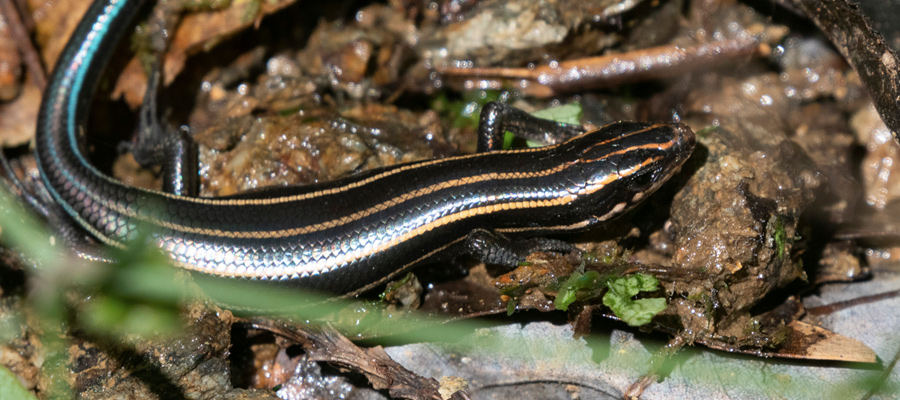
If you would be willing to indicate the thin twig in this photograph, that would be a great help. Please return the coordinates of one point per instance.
(324, 343)
(617, 69)
(840, 305)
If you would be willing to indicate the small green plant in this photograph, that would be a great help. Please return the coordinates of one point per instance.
(780, 237)
(633, 312)
(579, 286)
(568, 114)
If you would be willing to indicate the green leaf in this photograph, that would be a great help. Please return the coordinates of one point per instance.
(465, 113)
(703, 132)
(780, 237)
(508, 138)
(633, 312)
(577, 287)
(123, 317)
(510, 307)
(392, 287)
(568, 114)
(11, 388)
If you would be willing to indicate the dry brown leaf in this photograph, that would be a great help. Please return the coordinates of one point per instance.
(10, 64)
(17, 119)
(197, 32)
(809, 342)
(54, 22)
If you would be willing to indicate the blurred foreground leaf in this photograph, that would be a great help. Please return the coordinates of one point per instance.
(11, 388)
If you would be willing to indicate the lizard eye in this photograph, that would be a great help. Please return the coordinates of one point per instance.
(642, 181)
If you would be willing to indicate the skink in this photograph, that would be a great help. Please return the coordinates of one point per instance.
(355, 232)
